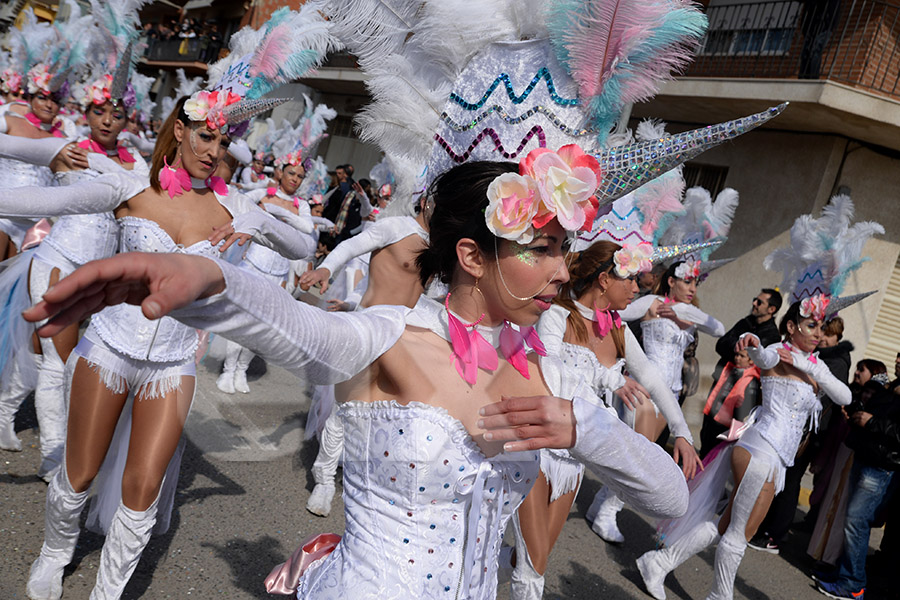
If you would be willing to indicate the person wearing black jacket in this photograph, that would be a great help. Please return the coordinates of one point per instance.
(761, 323)
(875, 440)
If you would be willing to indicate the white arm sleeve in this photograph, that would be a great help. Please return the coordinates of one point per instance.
(300, 223)
(138, 142)
(323, 347)
(33, 151)
(639, 471)
(268, 231)
(830, 385)
(322, 222)
(380, 234)
(101, 194)
(365, 206)
(637, 309)
(704, 322)
(4, 127)
(764, 358)
(646, 373)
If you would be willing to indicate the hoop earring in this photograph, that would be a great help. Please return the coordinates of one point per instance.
(450, 315)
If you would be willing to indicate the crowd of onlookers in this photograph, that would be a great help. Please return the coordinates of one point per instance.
(193, 36)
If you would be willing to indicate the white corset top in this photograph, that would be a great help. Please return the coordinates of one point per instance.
(664, 344)
(124, 327)
(267, 261)
(425, 509)
(16, 173)
(787, 404)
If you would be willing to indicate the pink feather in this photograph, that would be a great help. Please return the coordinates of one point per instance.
(532, 339)
(272, 53)
(658, 199)
(512, 345)
(487, 354)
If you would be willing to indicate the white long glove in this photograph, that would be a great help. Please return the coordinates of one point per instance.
(268, 231)
(304, 225)
(830, 385)
(40, 152)
(101, 194)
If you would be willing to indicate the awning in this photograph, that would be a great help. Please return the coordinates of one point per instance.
(193, 4)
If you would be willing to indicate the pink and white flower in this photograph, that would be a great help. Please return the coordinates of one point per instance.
(98, 91)
(815, 307)
(210, 107)
(39, 79)
(631, 260)
(688, 270)
(512, 207)
(11, 81)
(566, 182)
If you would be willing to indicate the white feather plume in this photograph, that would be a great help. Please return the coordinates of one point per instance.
(650, 129)
(721, 214)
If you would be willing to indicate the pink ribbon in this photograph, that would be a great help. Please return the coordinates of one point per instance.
(94, 146)
(606, 320)
(285, 578)
(36, 234)
(54, 128)
(811, 358)
(512, 346)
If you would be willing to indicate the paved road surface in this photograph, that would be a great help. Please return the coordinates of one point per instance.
(240, 510)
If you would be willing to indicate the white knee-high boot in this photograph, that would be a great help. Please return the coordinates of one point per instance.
(656, 564)
(51, 409)
(240, 372)
(225, 382)
(734, 541)
(12, 395)
(602, 515)
(331, 446)
(64, 506)
(526, 583)
(125, 542)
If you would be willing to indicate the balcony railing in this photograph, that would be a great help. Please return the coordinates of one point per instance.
(183, 50)
(850, 41)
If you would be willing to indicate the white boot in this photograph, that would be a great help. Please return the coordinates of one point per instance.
(64, 506)
(225, 382)
(51, 408)
(525, 583)
(240, 372)
(331, 446)
(602, 516)
(125, 542)
(12, 395)
(656, 564)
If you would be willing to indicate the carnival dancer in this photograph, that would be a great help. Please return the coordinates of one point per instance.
(394, 243)
(583, 328)
(124, 353)
(284, 204)
(824, 252)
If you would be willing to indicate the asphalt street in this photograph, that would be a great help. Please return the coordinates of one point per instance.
(240, 510)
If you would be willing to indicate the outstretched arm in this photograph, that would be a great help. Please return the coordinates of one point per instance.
(639, 471)
(101, 194)
(704, 322)
(220, 298)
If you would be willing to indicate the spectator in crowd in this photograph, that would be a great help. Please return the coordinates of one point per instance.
(835, 353)
(760, 322)
(895, 384)
(875, 440)
(733, 396)
(343, 207)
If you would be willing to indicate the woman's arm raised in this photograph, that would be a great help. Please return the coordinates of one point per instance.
(102, 194)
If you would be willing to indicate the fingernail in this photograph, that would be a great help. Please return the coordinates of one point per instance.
(489, 436)
(481, 423)
(153, 309)
(507, 447)
(481, 412)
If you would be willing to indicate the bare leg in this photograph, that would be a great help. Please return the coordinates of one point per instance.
(157, 425)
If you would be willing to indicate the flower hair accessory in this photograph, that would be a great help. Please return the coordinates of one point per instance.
(631, 260)
(549, 185)
(210, 107)
(688, 270)
(99, 92)
(39, 79)
(815, 307)
(294, 159)
(10, 81)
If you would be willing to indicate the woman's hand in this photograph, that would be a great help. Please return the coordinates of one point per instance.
(687, 455)
(529, 423)
(785, 355)
(159, 283)
(227, 232)
(746, 341)
(335, 305)
(318, 277)
(665, 311)
(632, 394)
(70, 158)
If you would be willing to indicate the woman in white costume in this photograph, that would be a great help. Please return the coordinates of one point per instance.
(428, 488)
(73, 241)
(792, 379)
(668, 323)
(284, 204)
(583, 328)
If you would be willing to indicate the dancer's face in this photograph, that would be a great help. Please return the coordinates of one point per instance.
(291, 178)
(106, 122)
(45, 108)
(681, 290)
(806, 334)
(202, 148)
(532, 271)
(618, 291)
